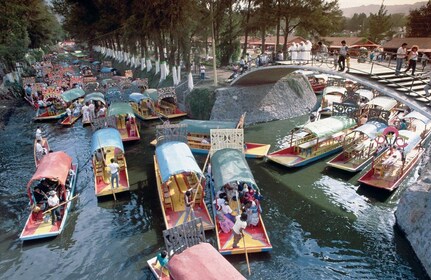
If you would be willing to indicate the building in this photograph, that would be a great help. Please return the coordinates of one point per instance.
(424, 44)
(270, 42)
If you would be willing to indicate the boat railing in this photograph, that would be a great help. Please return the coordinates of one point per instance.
(299, 141)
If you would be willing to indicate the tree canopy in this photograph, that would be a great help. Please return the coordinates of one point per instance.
(419, 21)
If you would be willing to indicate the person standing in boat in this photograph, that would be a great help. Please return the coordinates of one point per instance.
(38, 133)
(85, 113)
(54, 201)
(40, 150)
(188, 201)
(238, 229)
(91, 109)
(114, 169)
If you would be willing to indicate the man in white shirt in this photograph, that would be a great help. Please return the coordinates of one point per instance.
(401, 55)
(40, 151)
(342, 56)
(114, 169)
(91, 108)
(54, 201)
(38, 133)
(85, 113)
(238, 229)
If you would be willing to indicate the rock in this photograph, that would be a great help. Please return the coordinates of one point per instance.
(291, 96)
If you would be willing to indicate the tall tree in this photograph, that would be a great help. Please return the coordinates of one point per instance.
(379, 24)
(419, 21)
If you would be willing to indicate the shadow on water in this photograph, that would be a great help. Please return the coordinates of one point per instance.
(374, 194)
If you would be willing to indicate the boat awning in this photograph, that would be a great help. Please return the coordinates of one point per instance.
(411, 138)
(371, 128)
(107, 81)
(329, 126)
(174, 158)
(95, 96)
(366, 93)
(72, 94)
(136, 97)
(198, 255)
(120, 108)
(55, 165)
(152, 94)
(418, 116)
(106, 137)
(321, 76)
(230, 165)
(386, 103)
(334, 89)
(204, 127)
(107, 70)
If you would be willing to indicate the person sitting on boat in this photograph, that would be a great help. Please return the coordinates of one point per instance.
(403, 125)
(99, 155)
(114, 169)
(101, 112)
(40, 150)
(238, 229)
(85, 113)
(38, 133)
(54, 201)
(28, 91)
(76, 111)
(225, 223)
(188, 201)
(40, 198)
(391, 160)
(252, 213)
(205, 140)
(162, 259)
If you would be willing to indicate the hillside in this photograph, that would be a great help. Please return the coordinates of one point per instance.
(392, 9)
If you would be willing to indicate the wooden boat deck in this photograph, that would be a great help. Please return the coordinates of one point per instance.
(70, 120)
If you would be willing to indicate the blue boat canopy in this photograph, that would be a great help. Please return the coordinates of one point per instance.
(175, 158)
(95, 96)
(152, 93)
(120, 108)
(371, 128)
(230, 165)
(72, 94)
(136, 97)
(107, 70)
(106, 137)
(204, 127)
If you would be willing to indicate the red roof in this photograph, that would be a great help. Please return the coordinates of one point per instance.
(54, 165)
(335, 42)
(202, 261)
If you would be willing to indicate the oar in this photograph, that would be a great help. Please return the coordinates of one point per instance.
(200, 179)
(113, 193)
(49, 210)
(246, 253)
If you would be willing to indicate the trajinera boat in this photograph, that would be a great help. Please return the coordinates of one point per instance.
(359, 146)
(106, 144)
(57, 173)
(403, 150)
(45, 146)
(156, 103)
(125, 120)
(331, 94)
(230, 171)
(53, 108)
(68, 97)
(316, 140)
(176, 173)
(93, 97)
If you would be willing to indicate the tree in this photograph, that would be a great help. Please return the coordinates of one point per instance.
(379, 24)
(419, 21)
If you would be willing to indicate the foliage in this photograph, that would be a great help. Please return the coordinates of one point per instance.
(419, 21)
(379, 24)
(200, 103)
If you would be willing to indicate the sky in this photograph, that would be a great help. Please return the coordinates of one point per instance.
(350, 3)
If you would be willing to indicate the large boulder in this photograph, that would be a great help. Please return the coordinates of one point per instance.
(289, 97)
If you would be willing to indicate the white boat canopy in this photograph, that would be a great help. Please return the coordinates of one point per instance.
(412, 139)
(335, 89)
(329, 126)
(371, 128)
(418, 116)
(385, 102)
(366, 93)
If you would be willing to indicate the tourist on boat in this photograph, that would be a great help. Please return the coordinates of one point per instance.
(28, 91)
(54, 201)
(205, 141)
(91, 109)
(40, 150)
(39, 197)
(150, 107)
(188, 201)
(252, 213)
(99, 155)
(76, 111)
(68, 112)
(403, 125)
(114, 168)
(85, 113)
(238, 228)
(101, 112)
(162, 259)
(225, 223)
(38, 133)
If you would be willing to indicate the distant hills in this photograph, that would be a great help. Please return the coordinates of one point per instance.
(392, 9)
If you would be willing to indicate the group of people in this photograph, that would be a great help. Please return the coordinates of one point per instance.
(300, 53)
(45, 197)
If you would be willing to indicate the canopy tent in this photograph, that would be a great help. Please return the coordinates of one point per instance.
(95, 62)
(106, 137)
(366, 93)
(174, 158)
(334, 89)
(329, 126)
(230, 165)
(204, 127)
(55, 165)
(217, 268)
(371, 128)
(72, 94)
(411, 138)
(95, 96)
(136, 97)
(418, 116)
(120, 108)
(152, 94)
(385, 102)
(107, 70)
(107, 81)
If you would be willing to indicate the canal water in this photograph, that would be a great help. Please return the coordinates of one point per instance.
(321, 224)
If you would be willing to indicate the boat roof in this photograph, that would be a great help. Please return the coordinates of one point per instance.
(337, 89)
(136, 97)
(120, 108)
(204, 127)
(411, 138)
(418, 116)
(106, 137)
(95, 96)
(230, 165)
(175, 158)
(217, 268)
(368, 94)
(151, 93)
(55, 165)
(385, 102)
(72, 94)
(371, 128)
(106, 70)
(329, 126)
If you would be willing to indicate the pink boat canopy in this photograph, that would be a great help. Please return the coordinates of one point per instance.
(55, 166)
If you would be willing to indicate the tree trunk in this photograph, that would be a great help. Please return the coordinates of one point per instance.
(244, 51)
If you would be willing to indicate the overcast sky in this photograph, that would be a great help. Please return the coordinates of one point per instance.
(350, 3)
